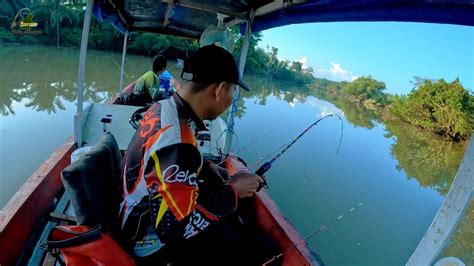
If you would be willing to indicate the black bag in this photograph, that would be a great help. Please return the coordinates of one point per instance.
(93, 184)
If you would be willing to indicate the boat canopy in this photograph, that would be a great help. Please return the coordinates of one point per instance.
(189, 18)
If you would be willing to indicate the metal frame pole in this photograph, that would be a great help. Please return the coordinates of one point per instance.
(242, 61)
(81, 74)
(122, 66)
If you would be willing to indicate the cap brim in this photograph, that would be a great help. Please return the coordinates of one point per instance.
(243, 85)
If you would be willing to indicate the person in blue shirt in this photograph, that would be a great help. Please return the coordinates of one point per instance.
(155, 85)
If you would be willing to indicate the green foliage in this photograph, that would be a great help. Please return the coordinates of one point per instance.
(6, 36)
(356, 113)
(266, 62)
(27, 39)
(153, 43)
(71, 37)
(366, 88)
(8, 8)
(444, 108)
(61, 23)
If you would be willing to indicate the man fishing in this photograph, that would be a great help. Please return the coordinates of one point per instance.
(154, 85)
(170, 194)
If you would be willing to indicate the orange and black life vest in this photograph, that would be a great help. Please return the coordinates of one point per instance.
(166, 185)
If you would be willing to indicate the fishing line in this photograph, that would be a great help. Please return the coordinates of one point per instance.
(319, 230)
(253, 165)
(118, 66)
(246, 147)
(266, 166)
(253, 142)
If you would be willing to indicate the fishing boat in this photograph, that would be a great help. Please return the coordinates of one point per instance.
(25, 221)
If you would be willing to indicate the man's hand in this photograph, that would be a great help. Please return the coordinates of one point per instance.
(245, 184)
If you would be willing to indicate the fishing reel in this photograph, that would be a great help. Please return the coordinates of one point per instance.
(260, 172)
(134, 120)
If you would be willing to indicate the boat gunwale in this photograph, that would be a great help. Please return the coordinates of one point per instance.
(30, 203)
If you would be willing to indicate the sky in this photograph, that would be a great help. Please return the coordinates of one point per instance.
(388, 51)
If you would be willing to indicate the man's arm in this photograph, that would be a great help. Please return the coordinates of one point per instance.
(184, 200)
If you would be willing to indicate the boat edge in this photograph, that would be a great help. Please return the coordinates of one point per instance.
(30, 203)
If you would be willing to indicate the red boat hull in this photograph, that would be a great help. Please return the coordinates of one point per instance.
(271, 220)
(31, 203)
(25, 209)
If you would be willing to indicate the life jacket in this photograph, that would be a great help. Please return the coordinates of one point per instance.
(160, 128)
(87, 246)
(162, 173)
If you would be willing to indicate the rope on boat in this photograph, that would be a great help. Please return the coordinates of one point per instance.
(319, 230)
(230, 126)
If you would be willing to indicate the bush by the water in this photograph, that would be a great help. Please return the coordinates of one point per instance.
(439, 106)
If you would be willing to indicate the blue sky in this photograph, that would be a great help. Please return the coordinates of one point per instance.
(391, 52)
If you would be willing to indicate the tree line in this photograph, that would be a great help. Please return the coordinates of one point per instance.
(445, 108)
(61, 23)
(442, 107)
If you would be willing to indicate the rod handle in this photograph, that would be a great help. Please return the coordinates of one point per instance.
(260, 172)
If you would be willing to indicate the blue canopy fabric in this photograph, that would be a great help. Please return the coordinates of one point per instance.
(190, 18)
(446, 12)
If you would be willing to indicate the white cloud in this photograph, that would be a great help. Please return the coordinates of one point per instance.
(338, 71)
(335, 72)
(293, 104)
(304, 61)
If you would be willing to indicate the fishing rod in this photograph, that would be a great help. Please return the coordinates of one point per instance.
(267, 165)
(319, 230)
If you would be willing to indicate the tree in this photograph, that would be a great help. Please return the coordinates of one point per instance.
(365, 88)
(53, 15)
(444, 108)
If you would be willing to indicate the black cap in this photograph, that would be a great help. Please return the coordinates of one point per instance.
(211, 64)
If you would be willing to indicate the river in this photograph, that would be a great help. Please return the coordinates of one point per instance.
(399, 173)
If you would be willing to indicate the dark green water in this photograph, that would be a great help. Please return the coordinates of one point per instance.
(399, 173)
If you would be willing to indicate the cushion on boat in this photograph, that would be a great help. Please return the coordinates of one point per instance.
(93, 184)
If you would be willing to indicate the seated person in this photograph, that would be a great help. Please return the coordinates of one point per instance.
(154, 85)
(170, 194)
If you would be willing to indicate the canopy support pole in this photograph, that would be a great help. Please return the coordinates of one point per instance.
(122, 65)
(242, 60)
(81, 74)
(449, 214)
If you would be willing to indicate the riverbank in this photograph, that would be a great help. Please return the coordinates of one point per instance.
(399, 172)
(439, 107)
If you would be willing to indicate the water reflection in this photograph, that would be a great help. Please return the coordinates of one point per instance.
(431, 160)
(6, 99)
(355, 113)
(45, 78)
(45, 85)
(42, 81)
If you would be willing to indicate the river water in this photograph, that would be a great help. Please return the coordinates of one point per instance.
(399, 174)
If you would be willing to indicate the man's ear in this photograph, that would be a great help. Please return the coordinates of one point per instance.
(220, 91)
